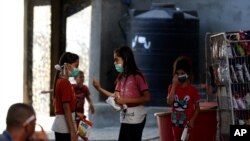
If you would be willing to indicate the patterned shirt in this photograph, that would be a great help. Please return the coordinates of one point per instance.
(184, 104)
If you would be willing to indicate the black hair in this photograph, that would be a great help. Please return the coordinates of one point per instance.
(18, 113)
(129, 63)
(66, 57)
(184, 63)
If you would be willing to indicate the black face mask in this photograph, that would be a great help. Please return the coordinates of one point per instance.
(182, 78)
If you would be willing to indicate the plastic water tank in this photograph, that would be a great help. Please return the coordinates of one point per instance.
(157, 38)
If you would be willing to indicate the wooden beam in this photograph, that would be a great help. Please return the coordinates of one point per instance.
(58, 39)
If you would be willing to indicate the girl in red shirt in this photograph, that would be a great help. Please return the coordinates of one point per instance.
(82, 93)
(183, 97)
(64, 98)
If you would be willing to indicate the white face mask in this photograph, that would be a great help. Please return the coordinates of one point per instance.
(182, 78)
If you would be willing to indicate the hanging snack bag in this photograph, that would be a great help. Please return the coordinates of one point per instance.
(83, 128)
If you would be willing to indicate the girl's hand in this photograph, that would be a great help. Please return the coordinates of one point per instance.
(175, 80)
(91, 109)
(96, 84)
(191, 124)
(73, 136)
(120, 100)
(80, 115)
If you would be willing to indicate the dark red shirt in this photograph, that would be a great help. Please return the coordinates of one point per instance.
(81, 93)
(64, 93)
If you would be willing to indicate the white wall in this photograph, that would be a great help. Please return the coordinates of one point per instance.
(11, 55)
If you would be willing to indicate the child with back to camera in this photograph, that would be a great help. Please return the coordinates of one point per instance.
(184, 98)
(131, 89)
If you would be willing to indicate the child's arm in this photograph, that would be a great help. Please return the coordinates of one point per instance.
(196, 112)
(98, 87)
(170, 98)
(69, 121)
(91, 107)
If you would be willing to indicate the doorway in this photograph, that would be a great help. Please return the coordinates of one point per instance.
(78, 28)
(77, 41)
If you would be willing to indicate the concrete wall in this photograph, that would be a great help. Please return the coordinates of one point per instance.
(105, 37)
(218, 16)
(95, 47)
(215, 16)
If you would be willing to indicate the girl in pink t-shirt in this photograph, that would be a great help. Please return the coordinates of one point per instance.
(131, 89)
(184, 99)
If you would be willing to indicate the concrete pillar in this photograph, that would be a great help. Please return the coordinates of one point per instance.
(103, 36)
(95, 47)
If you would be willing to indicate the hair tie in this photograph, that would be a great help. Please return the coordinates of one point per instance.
(58, 67)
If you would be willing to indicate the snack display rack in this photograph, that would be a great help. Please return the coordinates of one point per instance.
(228, 56)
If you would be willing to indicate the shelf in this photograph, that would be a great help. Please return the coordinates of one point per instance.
(229, 60)
(242, 114)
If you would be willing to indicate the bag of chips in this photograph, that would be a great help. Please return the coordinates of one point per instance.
(83, 128)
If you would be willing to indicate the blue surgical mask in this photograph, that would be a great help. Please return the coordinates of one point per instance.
(74, 73)
(119, 67)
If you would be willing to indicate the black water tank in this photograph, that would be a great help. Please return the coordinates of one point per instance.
(158, 37)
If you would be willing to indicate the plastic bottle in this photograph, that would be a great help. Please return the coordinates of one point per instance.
(185, 133)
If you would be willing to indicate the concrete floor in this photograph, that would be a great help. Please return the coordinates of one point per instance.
(111, 134)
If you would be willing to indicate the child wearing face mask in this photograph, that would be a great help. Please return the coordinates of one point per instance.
(64, 98)
(131, 89)
(184, 99)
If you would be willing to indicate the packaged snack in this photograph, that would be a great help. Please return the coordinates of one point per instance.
(239, 100)
(247, 99)
(245, 44)
(240, 50)
(246, 72)
(234, 52)
(83, 128)
(240, 72)
(229, 52)
(241, 103)
(233, 75)
(235, 105)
